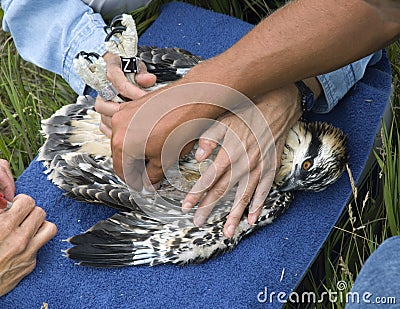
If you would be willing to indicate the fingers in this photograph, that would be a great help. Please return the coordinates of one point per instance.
(19, 247)
(22, 224)
(232, 152)
(107, 131)
(218, 190)
(106, 108)
(242, 159)
(209, 141)
(244, 193)
(45, 232)
(187, 148)
(33, 221)
(22, 207)
(125, 87)
(5, 168)
(154, 173)
(7, 185)
(117, 77)
(260, 195)
(34, 232)
(208, 180)
(143, 78)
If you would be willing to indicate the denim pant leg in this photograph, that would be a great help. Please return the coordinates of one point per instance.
(111, 8)
(378, 283)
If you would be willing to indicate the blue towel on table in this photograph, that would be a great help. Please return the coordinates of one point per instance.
(234, 279)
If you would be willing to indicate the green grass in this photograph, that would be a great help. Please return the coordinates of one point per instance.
(390, 167)
(29, 94)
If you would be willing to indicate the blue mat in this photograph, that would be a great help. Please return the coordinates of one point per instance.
(234, 279)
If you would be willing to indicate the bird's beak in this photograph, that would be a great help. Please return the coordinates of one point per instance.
(291, 183)
(287, 186)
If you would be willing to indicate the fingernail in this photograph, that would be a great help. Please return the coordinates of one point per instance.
(254, 208)
(199, 220)
(230, 231)
(186, 207)
(199, 153)
(252, 218)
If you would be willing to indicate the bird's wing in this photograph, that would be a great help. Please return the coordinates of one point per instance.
(168, 64)
(78, 156)
(78, 160)
(135, 238)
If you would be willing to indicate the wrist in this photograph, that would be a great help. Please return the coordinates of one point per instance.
(308, 91)
(202, 98)
(306, 96)
(285, 100)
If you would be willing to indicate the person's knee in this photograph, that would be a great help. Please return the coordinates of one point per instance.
(378, 278)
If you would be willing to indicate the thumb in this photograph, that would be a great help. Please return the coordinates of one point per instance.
(209, 141)
(145, 79)
(152, 175)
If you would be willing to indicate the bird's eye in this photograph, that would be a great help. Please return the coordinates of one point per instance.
(306, 165)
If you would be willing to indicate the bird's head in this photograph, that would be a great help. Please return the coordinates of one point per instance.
(314, 156)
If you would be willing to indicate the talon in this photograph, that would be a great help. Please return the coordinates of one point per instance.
(113, 31)
(116, 26)
(88, 56)
(124, 29)
(92, 67)
(116, 19)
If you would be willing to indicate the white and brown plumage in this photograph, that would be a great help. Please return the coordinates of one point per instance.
(151, 229)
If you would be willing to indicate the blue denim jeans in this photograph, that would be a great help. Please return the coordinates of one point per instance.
(51, 33)
(378, 283)
(111, 8)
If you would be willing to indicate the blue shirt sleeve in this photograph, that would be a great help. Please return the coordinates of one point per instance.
(337, 83)
(53, 33)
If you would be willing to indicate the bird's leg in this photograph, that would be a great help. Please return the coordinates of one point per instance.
(121, 39)
(92, 68)
(124, 44)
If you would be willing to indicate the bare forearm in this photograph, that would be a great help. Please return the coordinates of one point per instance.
(303, 39)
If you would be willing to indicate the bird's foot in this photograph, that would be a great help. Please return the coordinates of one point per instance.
(122, 38)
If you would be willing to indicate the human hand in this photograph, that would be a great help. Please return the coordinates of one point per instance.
(7, 185)
(150, 133)
(141, 156)
(23, 231)
(248, 156)
(124, 87)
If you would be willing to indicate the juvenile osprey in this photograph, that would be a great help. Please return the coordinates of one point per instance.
(151, 229)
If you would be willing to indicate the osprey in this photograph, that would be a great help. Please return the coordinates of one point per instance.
(151, 229)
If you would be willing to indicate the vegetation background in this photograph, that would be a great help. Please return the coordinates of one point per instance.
(29, 94)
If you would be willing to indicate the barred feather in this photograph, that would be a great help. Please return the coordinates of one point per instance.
(151, 229)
